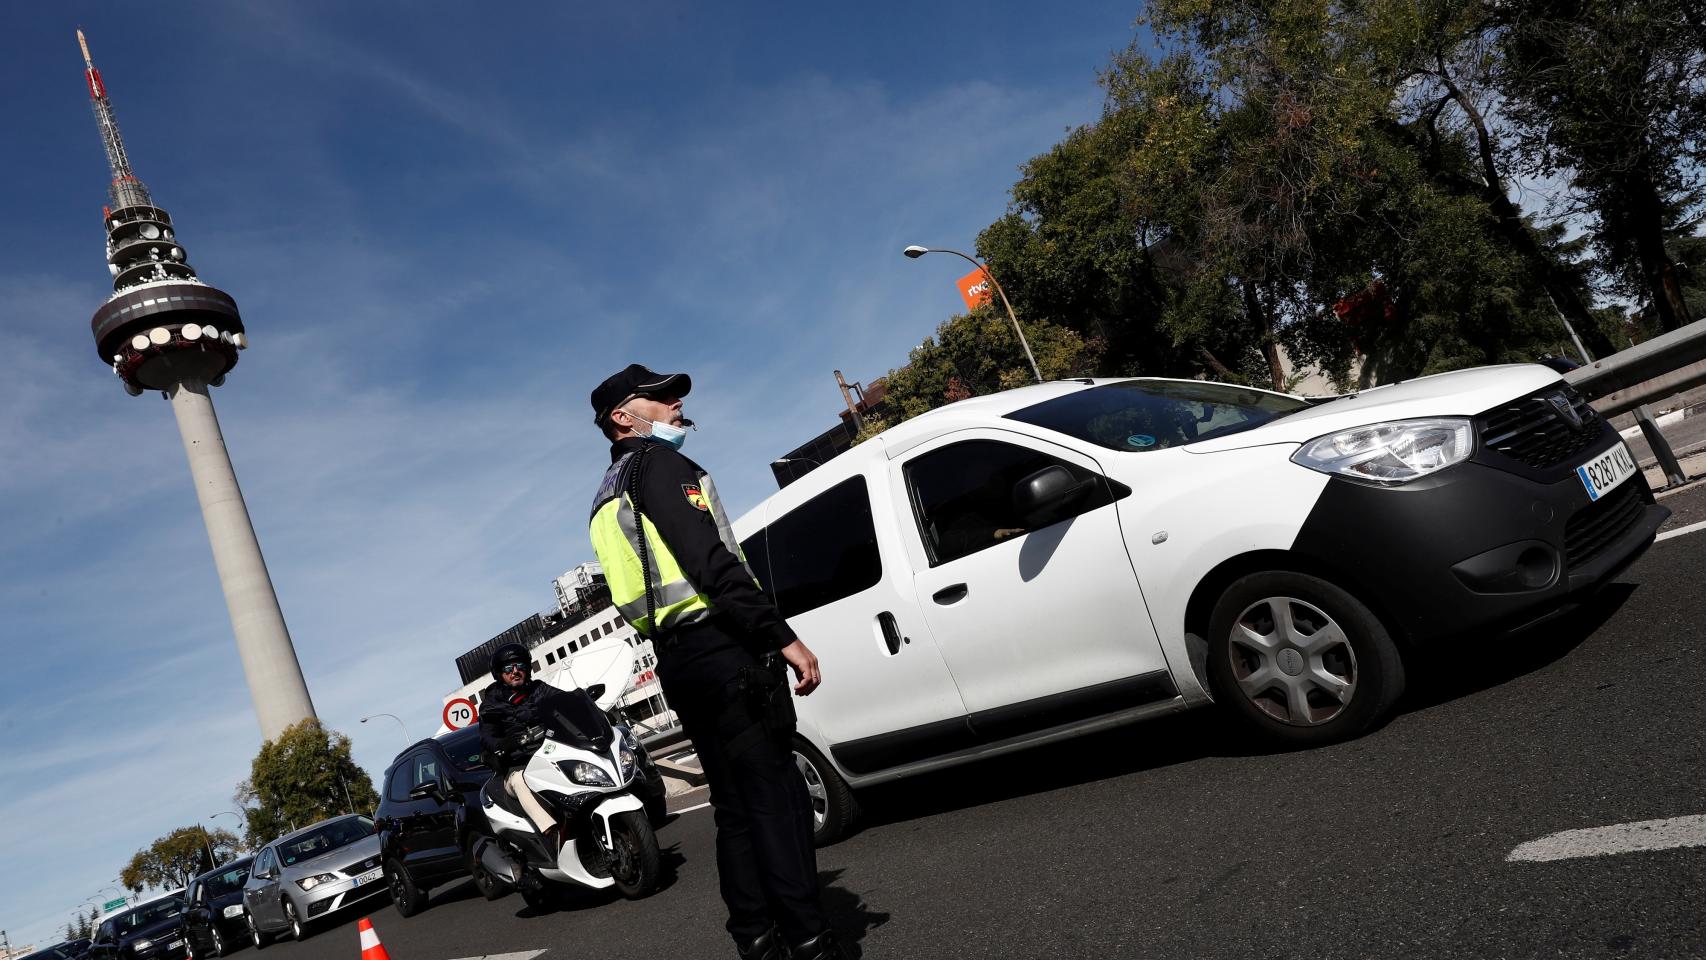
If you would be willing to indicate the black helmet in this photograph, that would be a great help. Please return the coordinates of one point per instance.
(507, 654)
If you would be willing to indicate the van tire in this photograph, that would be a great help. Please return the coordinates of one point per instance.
(1300, 661)
(834, 808)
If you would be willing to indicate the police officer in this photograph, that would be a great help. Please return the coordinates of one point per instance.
(676, 573)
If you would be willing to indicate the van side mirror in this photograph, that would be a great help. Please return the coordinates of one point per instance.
(595, 691)
(1049, 495)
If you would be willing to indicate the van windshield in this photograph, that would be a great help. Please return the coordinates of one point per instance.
(1137, 416)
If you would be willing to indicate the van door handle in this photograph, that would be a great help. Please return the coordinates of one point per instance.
(891, 632)
(951, 595)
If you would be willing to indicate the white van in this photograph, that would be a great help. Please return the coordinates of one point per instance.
(1027, 566)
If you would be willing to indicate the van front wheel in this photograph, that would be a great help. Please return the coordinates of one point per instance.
(834, 808)
(1300, 660)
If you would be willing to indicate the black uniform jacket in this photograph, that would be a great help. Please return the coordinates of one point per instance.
(671, 496)
(505, 712)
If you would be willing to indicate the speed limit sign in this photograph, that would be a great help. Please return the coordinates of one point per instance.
(459, 713)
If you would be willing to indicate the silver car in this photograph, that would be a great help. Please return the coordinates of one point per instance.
(303, 876)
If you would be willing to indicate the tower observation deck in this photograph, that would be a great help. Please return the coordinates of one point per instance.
(165, 329)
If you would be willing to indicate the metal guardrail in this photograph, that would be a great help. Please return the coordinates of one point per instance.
(1647, 372)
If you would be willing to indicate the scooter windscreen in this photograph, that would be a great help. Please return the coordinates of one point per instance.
(571, 718)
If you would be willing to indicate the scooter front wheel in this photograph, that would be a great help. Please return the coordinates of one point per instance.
(634, 857)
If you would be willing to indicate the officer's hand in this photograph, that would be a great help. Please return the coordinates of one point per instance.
(804, 662)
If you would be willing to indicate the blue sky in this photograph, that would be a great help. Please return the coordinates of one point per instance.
(443, 229)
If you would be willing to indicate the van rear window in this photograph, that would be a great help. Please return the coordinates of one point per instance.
(820, 552)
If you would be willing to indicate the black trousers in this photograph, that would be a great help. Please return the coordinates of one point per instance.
(766, 863)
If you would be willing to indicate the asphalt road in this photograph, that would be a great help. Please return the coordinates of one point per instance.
(1175, 839)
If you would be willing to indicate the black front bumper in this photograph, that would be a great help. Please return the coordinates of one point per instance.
(1487, 543)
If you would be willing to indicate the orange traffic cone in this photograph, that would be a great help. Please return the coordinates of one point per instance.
(371, 948)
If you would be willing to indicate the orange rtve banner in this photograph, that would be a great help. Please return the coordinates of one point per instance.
(974, 287)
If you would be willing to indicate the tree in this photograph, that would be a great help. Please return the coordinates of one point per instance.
(303, 776)
(170, 862)
(978, 353)
(1612, 94)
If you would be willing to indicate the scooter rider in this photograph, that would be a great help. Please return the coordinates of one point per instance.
(507, 707)
(677, 574)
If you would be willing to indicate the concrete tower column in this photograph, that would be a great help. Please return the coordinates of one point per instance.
(269, 660)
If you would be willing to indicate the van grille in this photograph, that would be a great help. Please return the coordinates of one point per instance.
(1542, 429)
(1597, 525)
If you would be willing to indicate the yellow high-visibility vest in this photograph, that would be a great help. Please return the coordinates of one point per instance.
(616, 539)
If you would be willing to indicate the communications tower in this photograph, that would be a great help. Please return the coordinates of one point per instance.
(164, 329)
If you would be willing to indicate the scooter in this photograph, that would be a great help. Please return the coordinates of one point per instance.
(584, 770)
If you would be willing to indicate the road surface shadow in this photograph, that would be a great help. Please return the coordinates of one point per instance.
(573, 897)
(848, 913)
(1440, 675)
(1461, 667)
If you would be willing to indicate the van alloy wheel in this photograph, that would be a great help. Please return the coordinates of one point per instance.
(1300, 659)
(1293, 661)
(834, 808)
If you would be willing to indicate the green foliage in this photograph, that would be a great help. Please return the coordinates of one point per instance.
(978, 353)
(1613, 96)
(173, 860)
(304, 776)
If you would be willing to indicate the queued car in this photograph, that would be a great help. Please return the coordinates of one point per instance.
(305, 876)
(69, 950)
(1029, 565)
(147, 931)
(430, 793)
(214, 917)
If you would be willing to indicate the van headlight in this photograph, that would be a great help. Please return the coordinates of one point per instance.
(1393, 452)
(586, 774)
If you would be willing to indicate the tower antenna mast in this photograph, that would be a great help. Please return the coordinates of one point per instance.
(164, 329)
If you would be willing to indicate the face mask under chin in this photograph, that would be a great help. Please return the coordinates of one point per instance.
(667, 434)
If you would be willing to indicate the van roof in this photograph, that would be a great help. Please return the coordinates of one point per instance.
(962, 414)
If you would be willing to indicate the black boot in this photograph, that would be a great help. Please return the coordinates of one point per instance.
(765, 946)
(824, 946)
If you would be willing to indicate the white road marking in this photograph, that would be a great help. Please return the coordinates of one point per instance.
(1663, 420)
(523, 955)
(1679, 531)
(1617, 838)
(700, 806)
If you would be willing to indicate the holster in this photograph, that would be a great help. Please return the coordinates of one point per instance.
(762, 707)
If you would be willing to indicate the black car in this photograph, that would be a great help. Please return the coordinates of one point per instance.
(430, 791)
(69, 950)
(214, 919)
(431, 798)
(151, 931)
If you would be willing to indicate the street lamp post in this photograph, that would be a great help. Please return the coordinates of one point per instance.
(916, 251)
(394, 717)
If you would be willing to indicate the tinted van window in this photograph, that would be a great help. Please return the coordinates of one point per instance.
(821, 551)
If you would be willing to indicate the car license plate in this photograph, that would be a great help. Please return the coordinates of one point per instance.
(369, 877)
(175, 944)
(1604, 472)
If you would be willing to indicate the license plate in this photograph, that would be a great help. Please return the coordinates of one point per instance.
(369, 877)
(1603, 473)
(175, 944)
